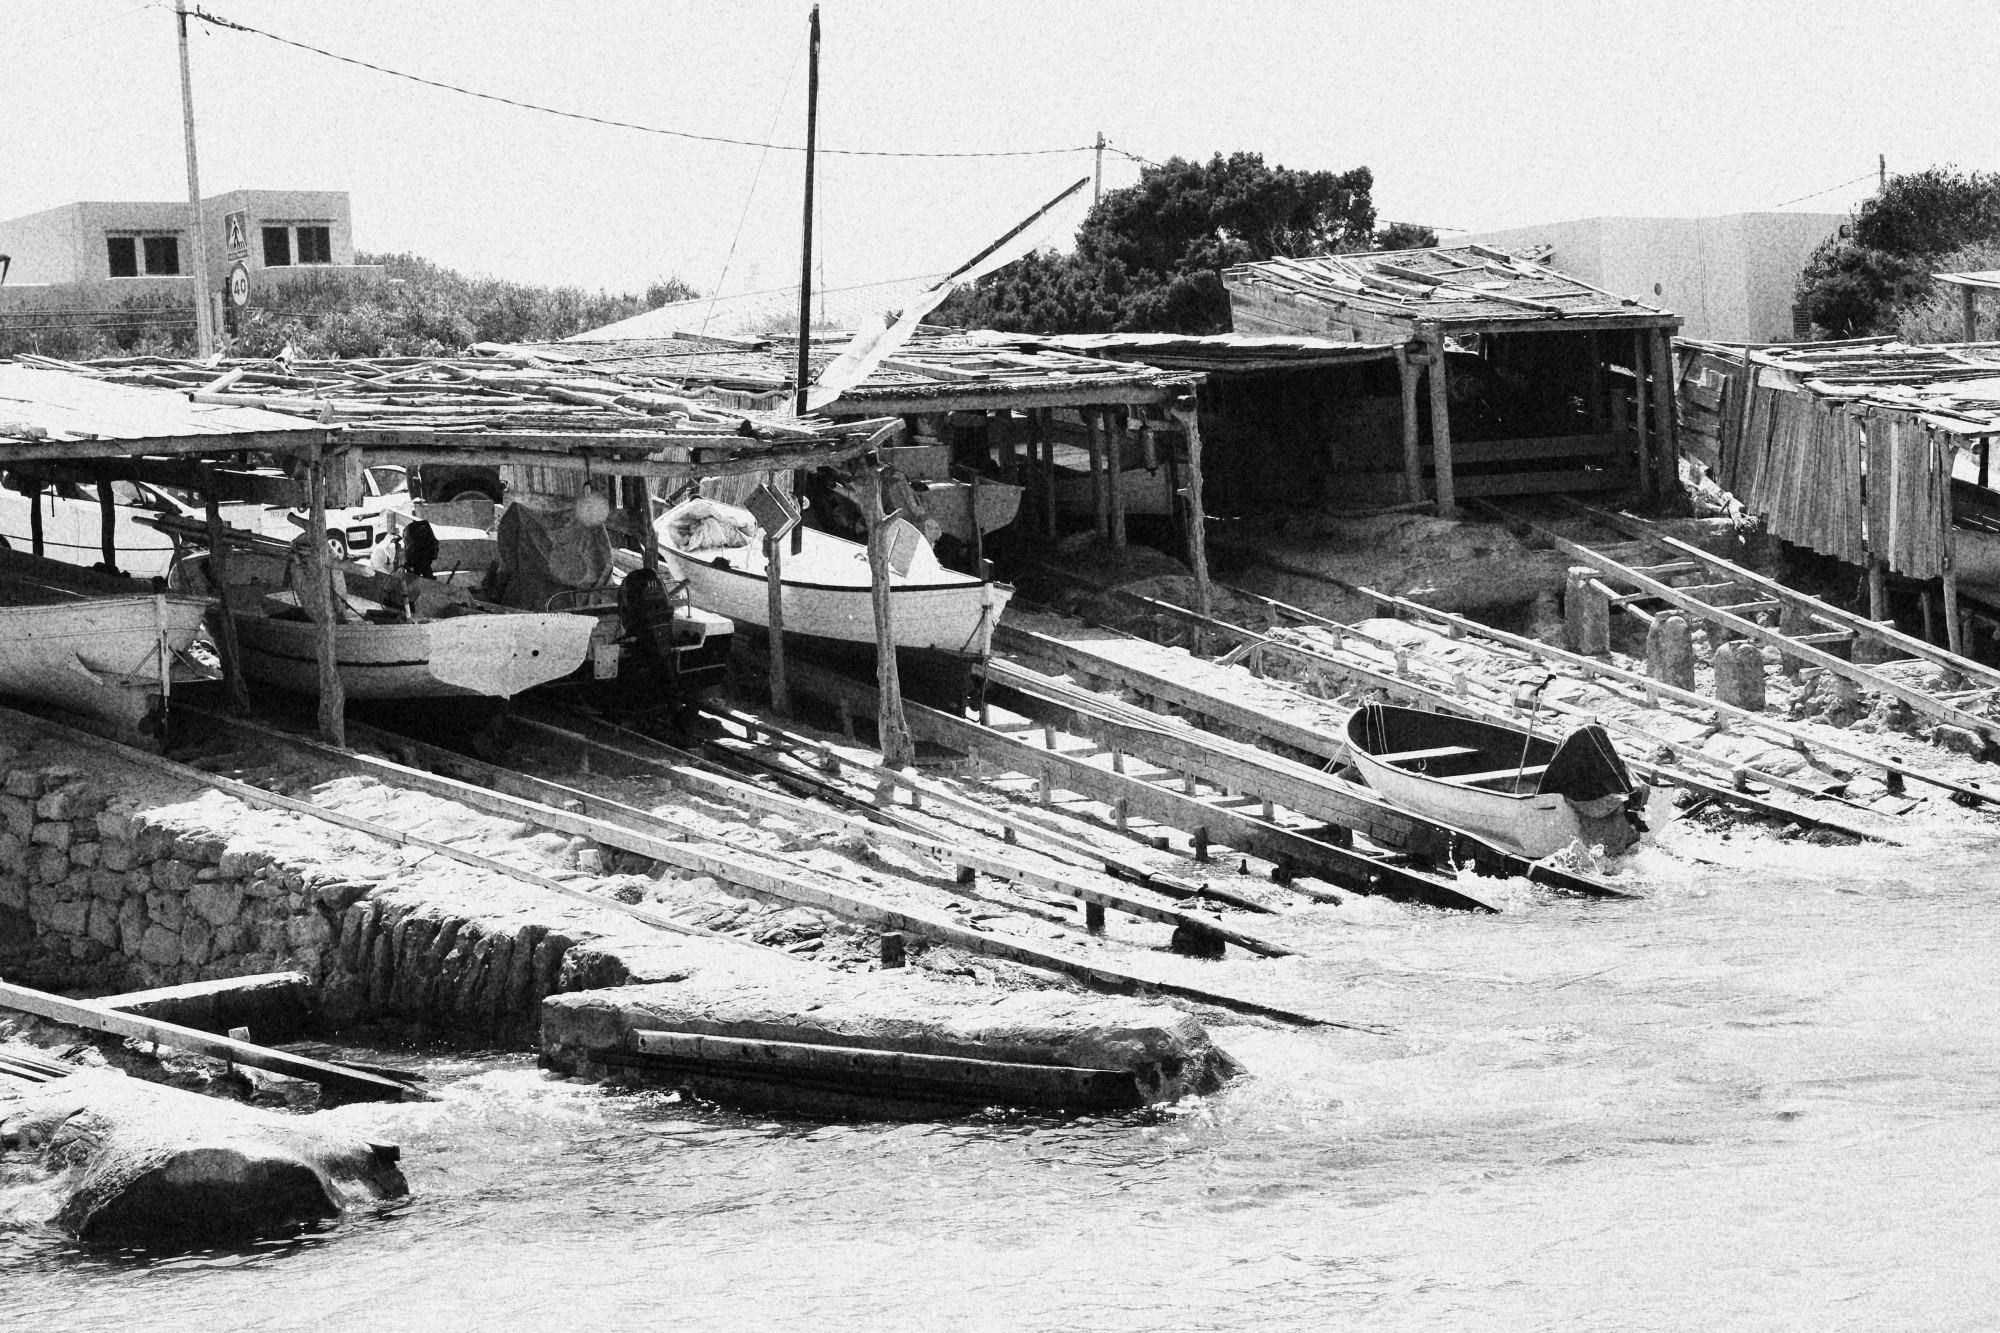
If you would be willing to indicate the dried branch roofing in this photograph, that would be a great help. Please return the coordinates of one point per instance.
(1453, 284)
(1954, 386)
(45, 404)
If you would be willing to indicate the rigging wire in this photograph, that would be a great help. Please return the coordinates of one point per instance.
(750, 198)
(220, 22)
(1828, 190)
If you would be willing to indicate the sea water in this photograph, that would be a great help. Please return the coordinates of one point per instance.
(1765, 1097)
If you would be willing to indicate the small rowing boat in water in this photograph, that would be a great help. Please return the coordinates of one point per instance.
(1523, 792)
(826, 588)
(88, 641)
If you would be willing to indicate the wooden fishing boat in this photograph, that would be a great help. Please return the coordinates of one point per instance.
(826, 592)
(967, 510)
(1525, 793)
(92, 643)
(447, 644)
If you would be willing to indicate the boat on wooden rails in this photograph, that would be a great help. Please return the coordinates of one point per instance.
(395, 638)
(943, 620)
(93, 643)
(1525, 792)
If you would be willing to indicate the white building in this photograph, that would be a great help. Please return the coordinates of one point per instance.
(1730, 278)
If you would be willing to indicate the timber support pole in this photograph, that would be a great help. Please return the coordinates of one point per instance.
(317, 595)
(893, 732)
(1187, 412)
(1413, 449)
(218, 575)
(1447, 489)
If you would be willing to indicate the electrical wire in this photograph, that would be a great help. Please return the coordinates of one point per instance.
(220, 22)
(755, 176)
(84, 31)
(1828, 190)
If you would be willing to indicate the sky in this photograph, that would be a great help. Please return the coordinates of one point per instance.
(1472, 116)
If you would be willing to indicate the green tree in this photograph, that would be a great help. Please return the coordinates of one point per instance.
(1150, 256)
(1862, 283)
(1405, 236)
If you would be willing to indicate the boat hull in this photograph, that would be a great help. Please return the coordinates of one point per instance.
(1533, 824)
(495, 656)
(953, 616)
(98, 656)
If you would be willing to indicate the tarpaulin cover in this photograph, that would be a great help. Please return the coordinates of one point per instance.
(544, 552)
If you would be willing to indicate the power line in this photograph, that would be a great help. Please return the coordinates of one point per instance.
(220, 22)
(1828, 190)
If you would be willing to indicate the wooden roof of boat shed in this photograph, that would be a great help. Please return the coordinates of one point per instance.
(931, 373)
(1384, 295)
(49, 413)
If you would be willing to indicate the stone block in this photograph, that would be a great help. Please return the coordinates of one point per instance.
(70, 916)
(153, 842)
(308, 934)
(107, 884)
(14, 892)
(1959, 739)
(83, 853)
(52, 833)
(338, 895)
(104, 923)
(138, 881)
(51, 864)
(131, 925)
(174, 876)
(1739, 675)
(13, 852)
(114, 826)
(218, 903)
(1586, 614)
(24, 784)
(197, 938)
(18, 814)
(115, 855)
(228, 940)
(271, 937)
(198, 851)
(160, 946)
(263, 887)
(167, 909)
(76, 884)
(58, 804)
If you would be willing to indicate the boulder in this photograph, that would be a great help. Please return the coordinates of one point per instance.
(133, 1160)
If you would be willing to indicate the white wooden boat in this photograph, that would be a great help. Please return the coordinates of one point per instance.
(956, 506)
(452, 645)
(91, 643)
(826, 592)
(1521, 792)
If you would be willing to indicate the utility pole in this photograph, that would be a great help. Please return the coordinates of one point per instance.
(1097, 177)
(806, 250)
(1881, 172)
(204, 317)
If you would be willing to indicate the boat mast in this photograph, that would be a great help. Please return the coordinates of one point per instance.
(806, 249)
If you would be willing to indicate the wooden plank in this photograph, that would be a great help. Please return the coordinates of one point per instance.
(335, 1080)
(1923, 702)
(217, 444)
(1550, 447)
(1480, 485)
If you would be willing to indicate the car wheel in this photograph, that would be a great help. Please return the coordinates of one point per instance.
(464, 493)
(336, 545)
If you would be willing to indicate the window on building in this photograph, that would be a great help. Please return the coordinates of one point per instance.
(163, 255)
(315, 245)
(277, 247)
(124, 255)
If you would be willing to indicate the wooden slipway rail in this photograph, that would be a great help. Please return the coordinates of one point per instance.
(1765, 596)
(658, 838)
(1457, 692)
(1215, 814)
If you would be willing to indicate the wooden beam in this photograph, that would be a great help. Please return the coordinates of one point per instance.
(1447, 492)
(1413, 456)
(892, 731)
(1968, 314)
(1666, 482)
(1954, 628)
(1189, 415)
(1642, 417)
(964, 398)
(215, 444)
(107, 522)
(317, 597)
(339, 1080)
(1100, 493)
(1114, 476)
(35, 520)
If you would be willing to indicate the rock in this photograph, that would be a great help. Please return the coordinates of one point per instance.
(104, 923)
(131, 925)
(51, 864)
(173, 876)
(71, 916)
(115, 854)
(14, 892)
(1670, 652)
(19, 814)
(114, 826)
(107, 885)
(1960, 740)
(1739, 675)
(133, 1160)
(160, 946)
(52, 833)
(13, 853)
(167, 909)
(340, 894)
(197, 940)
(308, 934)
(83, 853)
(58, 804)
(217, 902)
(24, 784)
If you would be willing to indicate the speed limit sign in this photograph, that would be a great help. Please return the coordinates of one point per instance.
(239, 286)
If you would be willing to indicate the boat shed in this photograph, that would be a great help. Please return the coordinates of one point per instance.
(1872, 451)
(1529, 380)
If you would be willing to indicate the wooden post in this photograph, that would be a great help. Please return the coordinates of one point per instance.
(1042, 449)
(1985, 457)
(1596, 405)
(35, 520)
(107, 521)
(892, 731)
(1189, 417)
(317, 596)
(1968, 310)
(1878, 589)
(1114, 477)
(1954, 628)
(1100, 493)
(1640, 424)
(1620, 409)
(1666, 443)
(1413, 448)
(218, 574)
(639, 507)
(774, 603)
(1447, 491)
(1149, 447)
